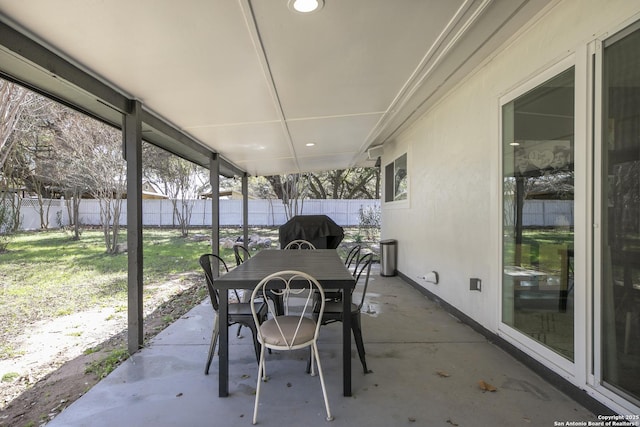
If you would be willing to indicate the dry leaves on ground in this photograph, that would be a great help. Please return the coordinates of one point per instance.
(486, 386)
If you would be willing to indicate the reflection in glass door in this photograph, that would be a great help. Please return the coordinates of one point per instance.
(538, 194)
(621, 214)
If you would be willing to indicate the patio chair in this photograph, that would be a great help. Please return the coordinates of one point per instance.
(353, 256)
(239, 313)
(296, 328)
(241, 253)
(299, 244)
(333, 309)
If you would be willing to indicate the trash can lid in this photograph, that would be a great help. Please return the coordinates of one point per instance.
(388, 242)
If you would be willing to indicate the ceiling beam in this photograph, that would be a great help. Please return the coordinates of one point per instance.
(254, 33)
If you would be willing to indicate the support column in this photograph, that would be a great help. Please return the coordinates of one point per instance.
(245, 210)
(223, 294)
(133, 155)
(214, 179)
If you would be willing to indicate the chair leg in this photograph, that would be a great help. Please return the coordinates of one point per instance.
(315, 353)
(313, 369)
(260, 375)
(239, 329)
(212, 346)
(308, 371)
(256, 344)
(357, 335)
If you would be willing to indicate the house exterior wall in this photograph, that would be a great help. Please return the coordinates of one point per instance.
(454, 173)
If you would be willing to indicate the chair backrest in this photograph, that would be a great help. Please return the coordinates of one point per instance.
(353, 256)
(241, 253)
(300, 244)
(297, 290)
(363, 268)
(211, 263)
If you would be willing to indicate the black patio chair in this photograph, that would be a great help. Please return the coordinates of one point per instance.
(333, 309)
(353, 256)
(353, 259)
(241, 253)
(239, 312)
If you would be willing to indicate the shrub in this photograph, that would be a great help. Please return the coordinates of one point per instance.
(370, 222)
(7, 224)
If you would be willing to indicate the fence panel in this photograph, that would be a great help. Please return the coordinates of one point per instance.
(263, 213)
(547, 213)
(30, 213)
(160, 213)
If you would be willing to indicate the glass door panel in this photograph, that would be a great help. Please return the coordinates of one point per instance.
(538, 194)
(621, 214)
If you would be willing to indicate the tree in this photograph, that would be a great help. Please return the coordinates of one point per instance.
(72, 183)
(180, 179)
(93, 160)
(291, 189)
(13, 99)
(30, 153)
(356, 183)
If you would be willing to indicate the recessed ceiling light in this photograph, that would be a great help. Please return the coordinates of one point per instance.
(306, 6)
(310, 144)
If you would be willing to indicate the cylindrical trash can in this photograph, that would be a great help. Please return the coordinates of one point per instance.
(388, 257)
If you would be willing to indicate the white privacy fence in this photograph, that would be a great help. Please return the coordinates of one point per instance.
(345, 213)
(159, 213)
(547, 213)
(30, 213)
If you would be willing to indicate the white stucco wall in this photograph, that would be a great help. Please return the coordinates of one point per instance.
(451, 223)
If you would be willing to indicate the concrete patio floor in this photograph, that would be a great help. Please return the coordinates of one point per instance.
(412, 345)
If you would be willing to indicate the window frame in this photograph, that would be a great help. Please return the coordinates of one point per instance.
(506, 331)
(391, 172)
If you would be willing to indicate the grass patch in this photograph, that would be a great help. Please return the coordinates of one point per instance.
(8, 352)
(9, 377)
(91, 350)
(539, 249)
(103, 367)
(47, 274)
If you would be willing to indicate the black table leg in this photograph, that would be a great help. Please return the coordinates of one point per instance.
(223, 343)
(346, 341)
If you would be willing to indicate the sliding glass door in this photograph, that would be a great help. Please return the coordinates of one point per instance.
(620, 239)
(538, 203)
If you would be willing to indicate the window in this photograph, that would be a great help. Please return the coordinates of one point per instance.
(395, 178)
(538, 203)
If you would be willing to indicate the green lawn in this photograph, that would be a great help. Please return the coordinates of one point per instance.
(540, 248)
(47, 274)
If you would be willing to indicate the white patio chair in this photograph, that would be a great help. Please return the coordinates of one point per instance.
(299, 244)
(296, 328)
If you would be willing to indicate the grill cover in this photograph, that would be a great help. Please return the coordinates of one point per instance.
(317, 229)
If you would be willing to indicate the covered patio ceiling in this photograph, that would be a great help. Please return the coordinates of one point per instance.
(253, 80)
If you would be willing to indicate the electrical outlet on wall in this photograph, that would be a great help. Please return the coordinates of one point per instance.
(475, 284)
(431, 277)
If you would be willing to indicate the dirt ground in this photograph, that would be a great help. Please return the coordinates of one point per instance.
(51, 370)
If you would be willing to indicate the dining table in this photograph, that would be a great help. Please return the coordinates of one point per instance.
(325, 265)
